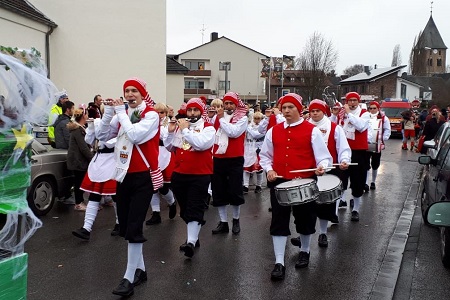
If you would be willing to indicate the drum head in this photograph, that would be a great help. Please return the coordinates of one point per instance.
(327, 182)
(294, 183)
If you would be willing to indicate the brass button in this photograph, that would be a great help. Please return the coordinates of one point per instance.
(289, 140)
(287, 147)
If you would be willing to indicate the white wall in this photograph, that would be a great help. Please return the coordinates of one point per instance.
(244, 75)
(99, 44)
(412, 91)
(20, 32)
(175, 90)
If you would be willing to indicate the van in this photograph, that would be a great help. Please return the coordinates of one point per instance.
(393, 109)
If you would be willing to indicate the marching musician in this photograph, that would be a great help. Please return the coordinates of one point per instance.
(230, 123)
(136, 150)
(354, 120)
(253, 143)
(381, 127)
(166, 164)
(340, 151)
(291, 145)
(273, 116)
(191, 141)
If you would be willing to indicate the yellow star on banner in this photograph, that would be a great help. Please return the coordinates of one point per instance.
(22, 138)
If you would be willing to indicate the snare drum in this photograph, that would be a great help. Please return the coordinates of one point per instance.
(375, 141)
(297, 191)
(330, 188)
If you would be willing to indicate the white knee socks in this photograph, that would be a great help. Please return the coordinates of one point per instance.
(134, 258)
(223, 213)
(306, 242)
(259, 178)
(90, 215)
(155, 203)
(374, 175)
(168, 197)
(115, 212)
(356, 202)
(246, 179)
(367, 178)
(279, 246)
(193, 229)
(236, 211)
(323, 226)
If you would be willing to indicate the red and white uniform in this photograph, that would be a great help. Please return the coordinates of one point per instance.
(253, 141)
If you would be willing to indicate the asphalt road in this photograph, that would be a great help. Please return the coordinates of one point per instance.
(362, 261)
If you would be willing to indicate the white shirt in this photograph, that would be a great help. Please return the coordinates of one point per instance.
(321, 154)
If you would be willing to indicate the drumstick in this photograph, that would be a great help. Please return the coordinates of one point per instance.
(348, 164)
(278, 176)
(309, 170)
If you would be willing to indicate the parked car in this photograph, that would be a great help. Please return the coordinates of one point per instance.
(435, 144)
(40, 133)
(49, 177)
(435, 188)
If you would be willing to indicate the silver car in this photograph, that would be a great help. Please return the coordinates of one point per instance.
(49, 177)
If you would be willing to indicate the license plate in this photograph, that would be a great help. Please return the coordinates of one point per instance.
(42, 134)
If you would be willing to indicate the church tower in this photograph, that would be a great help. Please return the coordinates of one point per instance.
(429, 52)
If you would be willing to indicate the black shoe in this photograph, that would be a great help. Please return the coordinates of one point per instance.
(172, 210)
(303, 260)
(296, 241)
(278, 272)
(139, 277)
(82, 234)
(188, 249)
(116, 230)
(245, 189)
(366, 188)
(222, 227)
(342, 203)
(197, 244)
(236, 226)
(125, 288)
(323, 241)
(355, 216)
(155, 219)
(334, 219)
(352, 203)
(372, 186)
(258, 190)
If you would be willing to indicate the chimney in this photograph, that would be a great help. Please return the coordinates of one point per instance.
(366, 70)
(214, 36)
(375, 66)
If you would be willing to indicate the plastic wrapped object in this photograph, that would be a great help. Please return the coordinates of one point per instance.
(13, 277)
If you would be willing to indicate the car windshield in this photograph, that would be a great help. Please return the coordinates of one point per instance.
(392, 112)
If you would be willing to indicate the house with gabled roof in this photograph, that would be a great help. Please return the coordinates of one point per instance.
(92, 47)
(223, 65)
(381, 83)
(175, 73)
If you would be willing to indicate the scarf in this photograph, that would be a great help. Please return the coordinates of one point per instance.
(348, 127)
(324, 126)
(221, 137)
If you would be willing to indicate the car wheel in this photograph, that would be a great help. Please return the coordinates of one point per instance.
(445, 246)
(42, 195)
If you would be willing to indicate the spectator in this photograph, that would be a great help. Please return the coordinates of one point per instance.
(79, 154)
(62, 134)
(433, 123)
(95, 110)
(55, 111)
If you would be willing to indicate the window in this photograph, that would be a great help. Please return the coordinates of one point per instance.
(302, 80)
(222, 85)
(439, 52)
(403, 91)
(363, 89)
(430, 62)
(346, 90)
(195, 65)
(223, 66)
(439, 62)
(194, 84)
(292, 79)
(382, 92)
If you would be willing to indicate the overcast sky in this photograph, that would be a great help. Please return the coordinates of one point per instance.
(362, 31)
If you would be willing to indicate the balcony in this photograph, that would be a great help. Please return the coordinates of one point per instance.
(198, 73)
(194, 91)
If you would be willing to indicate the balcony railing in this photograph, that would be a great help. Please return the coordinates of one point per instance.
(199, 73)
(194, 91)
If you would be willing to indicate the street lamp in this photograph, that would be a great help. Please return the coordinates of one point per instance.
(226, 65)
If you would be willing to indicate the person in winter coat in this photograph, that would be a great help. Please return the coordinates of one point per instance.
(79, 154)
(62, 134)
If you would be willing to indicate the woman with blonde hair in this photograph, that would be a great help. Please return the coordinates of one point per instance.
(79, 154)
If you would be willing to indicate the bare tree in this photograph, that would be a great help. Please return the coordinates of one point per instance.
(396, 56)
(353, 70)
(318, 58)
(417, 57)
